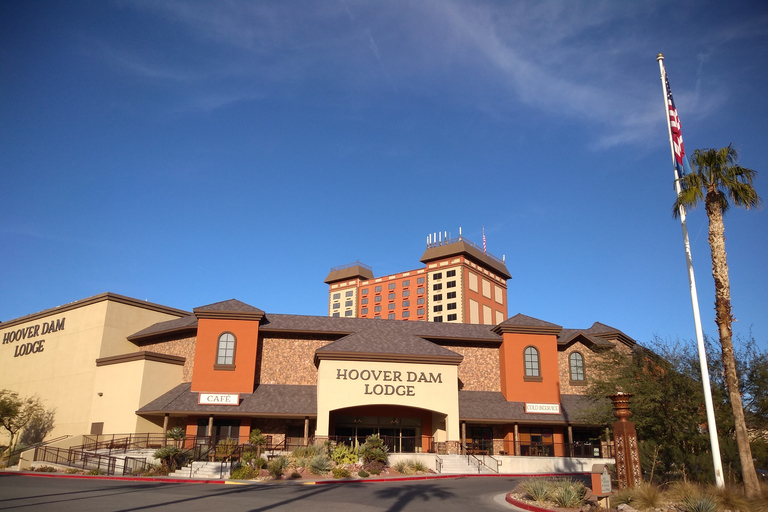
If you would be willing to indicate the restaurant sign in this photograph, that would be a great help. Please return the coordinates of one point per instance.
(218, 399)
(542, 408)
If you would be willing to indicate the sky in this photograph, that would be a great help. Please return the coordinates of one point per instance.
(191, 152)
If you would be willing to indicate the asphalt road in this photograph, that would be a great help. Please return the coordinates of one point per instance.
(32, 494)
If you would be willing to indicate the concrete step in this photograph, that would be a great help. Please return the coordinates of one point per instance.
(202, 470)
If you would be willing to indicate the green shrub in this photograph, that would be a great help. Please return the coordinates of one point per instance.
(171, 457)
(343, 454)
(45, 469)
(418, 466)
(401, 466)
(538, 489)
(243, 472)
(277, 466)
(309, 451)
(176, 433)
(568, 493)
(699, 504)
(410, 467)
(295, 474)
(375, 467)
(374, 450)
(339, 472)
(72, 471)
(646, 496)
(95, 472)
(363, 473)
(320, 464)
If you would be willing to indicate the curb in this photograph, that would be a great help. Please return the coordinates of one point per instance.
(121, 478)
(524, 506)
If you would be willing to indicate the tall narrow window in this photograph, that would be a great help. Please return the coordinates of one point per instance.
(225, 352)
(577, 367)
(531, 357)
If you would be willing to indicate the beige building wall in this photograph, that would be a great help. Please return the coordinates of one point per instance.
(432, 387)
(121, 389)
(65, 343)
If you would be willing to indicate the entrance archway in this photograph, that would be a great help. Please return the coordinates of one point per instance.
(403, 429)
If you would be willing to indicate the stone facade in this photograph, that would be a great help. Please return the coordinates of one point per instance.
(594, 361)
(183, 347)
(288, 361)
(479, 371)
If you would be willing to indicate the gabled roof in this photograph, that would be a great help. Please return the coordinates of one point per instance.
(607, 332)
(381, 343)
(524, 324)
(568, 336)
(177, 326)
(231, 308)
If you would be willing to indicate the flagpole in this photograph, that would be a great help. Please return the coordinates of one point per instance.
(712, 426)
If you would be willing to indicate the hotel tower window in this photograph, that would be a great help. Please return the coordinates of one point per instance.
(577, 367)
(531, 357)
(225, 352)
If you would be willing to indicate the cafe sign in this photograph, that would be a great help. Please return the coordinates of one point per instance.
(218, 399)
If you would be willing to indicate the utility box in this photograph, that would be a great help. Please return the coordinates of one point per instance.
(601, 481)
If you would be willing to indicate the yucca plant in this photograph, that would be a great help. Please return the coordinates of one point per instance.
(537, 489)
(568, 493)
(700, 503)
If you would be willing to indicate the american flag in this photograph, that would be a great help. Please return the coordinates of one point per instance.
(485, 249)
(677, 134)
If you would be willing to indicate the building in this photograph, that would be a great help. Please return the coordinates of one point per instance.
(112, 364)
(459, 283)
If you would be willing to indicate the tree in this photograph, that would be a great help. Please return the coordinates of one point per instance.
(718, 181)
(16, 413)
(258, 440)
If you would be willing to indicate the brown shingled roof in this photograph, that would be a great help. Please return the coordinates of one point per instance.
(266, 399)
(386, 342)
(491, 406)
(231, 308)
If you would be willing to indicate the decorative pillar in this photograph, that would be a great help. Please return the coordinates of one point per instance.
(306, 430)
(517, 441)
(464, 437)
(570, 441)
(625, 438)
(165, 422)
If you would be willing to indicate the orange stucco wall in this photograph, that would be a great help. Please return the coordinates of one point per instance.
(513, 385)
(240, 380)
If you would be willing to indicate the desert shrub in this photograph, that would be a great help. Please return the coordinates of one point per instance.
(374, 450)
(295, 474)
(157, 470)
(320, 464)
(72, 471)
(277, 466)
(343, 454)
(226, 448)
(375, 467)
(176, 433)
(95, 472)
(418, 466)
(172, 457)
(537, 488)
(729, 497)
(309, 451)
(569, 493)
(401, 466)
(45, 469)
(646, 496)
(363, 474)
(699, 503)
(243, 472)
(340, 472)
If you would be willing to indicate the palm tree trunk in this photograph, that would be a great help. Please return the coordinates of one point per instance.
(724, 319)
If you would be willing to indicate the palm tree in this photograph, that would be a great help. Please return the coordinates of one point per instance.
(718, 181)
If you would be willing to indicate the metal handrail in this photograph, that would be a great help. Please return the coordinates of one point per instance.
(438, 464)
(35, 445)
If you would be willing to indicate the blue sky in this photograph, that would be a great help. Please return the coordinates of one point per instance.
(191, 152)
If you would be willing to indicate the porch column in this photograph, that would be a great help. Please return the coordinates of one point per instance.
(570, 440)
(165, 423)
(517, 441)
(210, 427)
(464, 436)
(306, 430)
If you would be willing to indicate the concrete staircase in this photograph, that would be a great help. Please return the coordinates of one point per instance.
(202, 471)
(460, 465)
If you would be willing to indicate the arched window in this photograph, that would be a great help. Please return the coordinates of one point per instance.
(577, 367)
(532, 367)
(225, 352)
